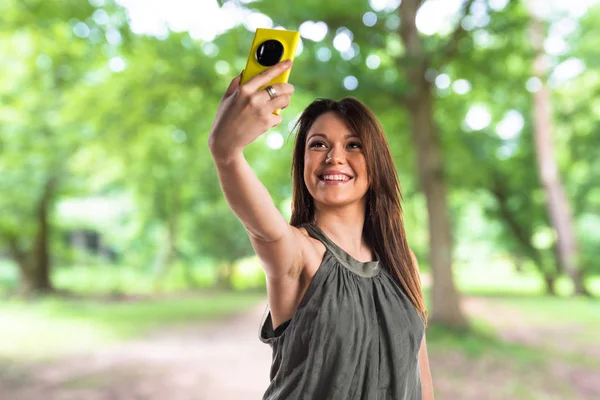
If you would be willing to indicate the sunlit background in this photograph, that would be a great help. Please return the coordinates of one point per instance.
(123, 273)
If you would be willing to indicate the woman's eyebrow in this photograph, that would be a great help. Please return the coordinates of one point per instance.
(317, 134)
(351, 135)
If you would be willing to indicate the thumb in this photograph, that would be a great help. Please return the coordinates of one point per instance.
(235, 83)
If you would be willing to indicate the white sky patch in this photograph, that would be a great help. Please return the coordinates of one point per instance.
(562, 73)
(442, 81)
(350, 82)
(482, 20)
(81, 30)
(96, 210)
(117, 64)
(257, 20)
(369, 18)
(498, 5)
(351, 52)
(566, 71)
(373, 61)
(543, 238)
(511, 125)
(437, 16)
(533, 84)
(315, 31)
(113, 37)
(323, 54)
(392, 22)
(555, 45)
(551, 9)
(482, 38)
(468, 23)
(274, 140)
(461, 86)
(204, 19)
(478, 8)
(101, 16)
(222, 67)
(479, 13)
(342, 41)
(210, 49)
(299, 48)
(478, 117)
(563, 26)
(384, 5)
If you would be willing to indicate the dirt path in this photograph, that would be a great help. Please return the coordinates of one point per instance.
(225, 360)
(220, 361)
(558, 340)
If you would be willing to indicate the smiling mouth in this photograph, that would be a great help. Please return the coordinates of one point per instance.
(334, 178)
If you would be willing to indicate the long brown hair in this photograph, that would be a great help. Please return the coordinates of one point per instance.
(383, 214)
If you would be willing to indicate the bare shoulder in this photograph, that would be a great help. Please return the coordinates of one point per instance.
(282, 257)
(314, 250)
(286, 291)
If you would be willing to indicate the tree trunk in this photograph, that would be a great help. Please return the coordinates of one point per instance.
(445, 298)
(549, 282)
(166, 254)
(522, 235)
(34, 265)
(556, 199)
(168, 250)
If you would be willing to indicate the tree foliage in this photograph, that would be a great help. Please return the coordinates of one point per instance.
(89, 108)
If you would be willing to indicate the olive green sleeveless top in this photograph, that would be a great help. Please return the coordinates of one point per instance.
(355, 335)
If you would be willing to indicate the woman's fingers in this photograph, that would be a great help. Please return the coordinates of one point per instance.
(262, 99)
(265, 77)
(235, 83)
(275, 120)
(283, 89)
(279, 102)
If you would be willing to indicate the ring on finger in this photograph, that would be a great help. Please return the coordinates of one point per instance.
(272, 92)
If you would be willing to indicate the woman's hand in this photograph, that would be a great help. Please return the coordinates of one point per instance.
(245, 112)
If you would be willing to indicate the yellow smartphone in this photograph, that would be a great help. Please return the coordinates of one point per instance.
(269, 47)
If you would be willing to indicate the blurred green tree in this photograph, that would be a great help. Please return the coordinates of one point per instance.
(50, 52)
(557, 202)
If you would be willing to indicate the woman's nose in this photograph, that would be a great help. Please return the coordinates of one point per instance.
(335, 157)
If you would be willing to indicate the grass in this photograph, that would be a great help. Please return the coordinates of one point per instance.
(55, 326)
(499, 277)
(570, 324)
(123, 279)
(552, 348)
(481, 340)
(557, 309)
(51, 327)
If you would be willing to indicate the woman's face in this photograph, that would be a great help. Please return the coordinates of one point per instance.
(335, 169)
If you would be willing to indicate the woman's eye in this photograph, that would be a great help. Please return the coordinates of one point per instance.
(315, 144)
(355, 145)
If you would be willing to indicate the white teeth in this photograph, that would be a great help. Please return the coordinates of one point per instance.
(335, 178)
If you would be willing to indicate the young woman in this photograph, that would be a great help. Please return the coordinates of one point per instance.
(347, 317)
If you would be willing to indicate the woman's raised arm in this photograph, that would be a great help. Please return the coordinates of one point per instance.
(243, 115)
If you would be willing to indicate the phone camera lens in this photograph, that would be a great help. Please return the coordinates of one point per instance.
(269, 53)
